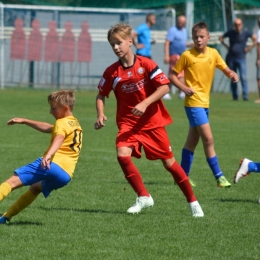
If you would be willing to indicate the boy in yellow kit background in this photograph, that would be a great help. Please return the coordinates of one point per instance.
(55, 169)
(199, 65)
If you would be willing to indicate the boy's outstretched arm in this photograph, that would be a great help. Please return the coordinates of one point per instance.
(55, 145)
(40, 126)
(175, 81)
(230, 74)
(100, 105)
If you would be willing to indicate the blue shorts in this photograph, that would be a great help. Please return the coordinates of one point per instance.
(52, 179)
(197, 115)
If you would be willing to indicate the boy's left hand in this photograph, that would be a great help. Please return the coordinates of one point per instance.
(46, 162)
(139, 109)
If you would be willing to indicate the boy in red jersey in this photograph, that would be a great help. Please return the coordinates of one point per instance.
(139, 85)
(56, 167)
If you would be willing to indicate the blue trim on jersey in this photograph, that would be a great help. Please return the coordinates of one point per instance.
(197, 115)
(52, 179)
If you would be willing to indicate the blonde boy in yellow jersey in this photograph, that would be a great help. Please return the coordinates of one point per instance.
(199, 65)
(55, 169)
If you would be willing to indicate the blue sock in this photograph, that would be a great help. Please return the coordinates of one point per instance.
(186, 160)
(253, 167)
(214, 166)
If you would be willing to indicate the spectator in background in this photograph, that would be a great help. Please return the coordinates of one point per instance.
(175, 45)
(258, 61)
(236, 56)
(144, 39)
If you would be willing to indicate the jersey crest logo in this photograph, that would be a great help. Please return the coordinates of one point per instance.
(124, 86)
(141, 71)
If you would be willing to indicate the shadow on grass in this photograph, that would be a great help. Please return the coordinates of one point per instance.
(83, 210)
(239, 200)
(24, 223)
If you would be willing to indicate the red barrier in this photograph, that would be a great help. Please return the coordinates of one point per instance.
(84, 44)
(35, 42)
(67, 44)
(52, 44)
(18, 41)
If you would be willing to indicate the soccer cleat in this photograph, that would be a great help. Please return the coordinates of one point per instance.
(167, 96)
(196, 209)
(242, 170)
(192, 183)
(4, 220)
(141, 203)
(222, 182)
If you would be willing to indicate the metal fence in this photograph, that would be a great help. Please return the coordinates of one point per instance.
(47, 46)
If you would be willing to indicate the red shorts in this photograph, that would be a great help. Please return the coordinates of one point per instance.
(173, 61)
(155, 143)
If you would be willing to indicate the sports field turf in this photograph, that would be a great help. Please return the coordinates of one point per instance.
(88, 220)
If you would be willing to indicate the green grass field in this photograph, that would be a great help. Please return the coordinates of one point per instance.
(88, 220)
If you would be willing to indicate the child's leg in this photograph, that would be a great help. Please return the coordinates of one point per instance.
(132, 175)
(208, 145)
(180, 178)
(254, 167)
(6, 187)
(188, 150)
(24, 200)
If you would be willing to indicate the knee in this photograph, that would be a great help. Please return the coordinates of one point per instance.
(209, 141)
(168, 163)
(36, 189)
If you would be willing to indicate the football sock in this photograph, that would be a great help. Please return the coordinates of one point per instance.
(182, 180)
(21, 203)
(132, 175)
(252, 167)
(186, 160)
(5, 189)
(214, 166)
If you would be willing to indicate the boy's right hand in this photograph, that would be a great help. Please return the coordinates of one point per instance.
(188, 91)
(15, 121)
(100, 122)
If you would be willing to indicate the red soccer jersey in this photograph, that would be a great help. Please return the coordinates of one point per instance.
(132, 85)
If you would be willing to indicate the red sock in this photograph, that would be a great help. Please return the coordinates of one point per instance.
(182, 180)
(132, 175)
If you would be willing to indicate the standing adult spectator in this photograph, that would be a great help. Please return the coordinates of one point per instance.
(258, 61)
(175, 45)
(144, 39)
(236, 56)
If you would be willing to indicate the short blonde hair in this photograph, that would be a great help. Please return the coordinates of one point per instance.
(63, 98)
(199, 26)
(121, 29)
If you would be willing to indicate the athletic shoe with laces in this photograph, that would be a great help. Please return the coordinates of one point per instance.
(141, 203)
(222, 182)
(242, 170)
(196, 209)
(4, 220)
